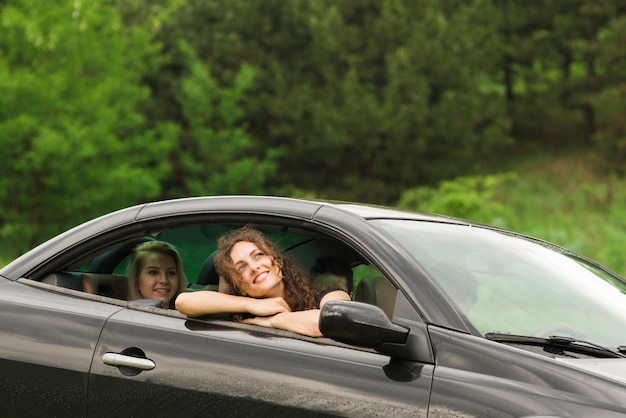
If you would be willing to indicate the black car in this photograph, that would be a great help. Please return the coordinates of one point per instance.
(448, 318)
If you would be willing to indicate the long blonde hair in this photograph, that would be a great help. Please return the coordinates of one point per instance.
(137, 262)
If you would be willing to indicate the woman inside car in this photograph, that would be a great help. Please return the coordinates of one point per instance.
(155, 272)
(332, 273)
(264, 287)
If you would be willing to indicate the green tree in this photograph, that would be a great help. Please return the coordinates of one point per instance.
(217, 152)
(74, 141)
(610, 102)
(554, 65)
(214, 150)
(474, 198)
(362, 98)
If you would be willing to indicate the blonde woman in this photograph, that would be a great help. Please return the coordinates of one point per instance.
(156, 272)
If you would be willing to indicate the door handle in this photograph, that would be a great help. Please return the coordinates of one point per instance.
(117, 360)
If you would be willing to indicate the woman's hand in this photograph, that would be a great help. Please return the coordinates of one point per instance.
(302, 322)
(206, 302)
(267, 307)
(263, 321)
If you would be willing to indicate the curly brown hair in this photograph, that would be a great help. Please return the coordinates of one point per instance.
(297, 291)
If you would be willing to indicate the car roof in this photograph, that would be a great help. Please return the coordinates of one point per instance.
(367, 211)
(303, 208)
(259, 205)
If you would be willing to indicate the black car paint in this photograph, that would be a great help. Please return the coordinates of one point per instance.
(489, 379)
(51, 344)
(471, 370)
(47, 342)
(231, 364)
(203, 367)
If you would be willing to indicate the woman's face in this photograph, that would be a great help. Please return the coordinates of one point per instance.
(259, 277)
(158, 278)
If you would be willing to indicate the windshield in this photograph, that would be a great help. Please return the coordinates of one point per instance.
(507, 284)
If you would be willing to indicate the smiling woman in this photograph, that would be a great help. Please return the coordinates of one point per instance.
(252, 266)
(156, 272)
(264, 286)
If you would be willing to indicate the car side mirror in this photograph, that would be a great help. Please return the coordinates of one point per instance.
(358, 323)
(365, 325)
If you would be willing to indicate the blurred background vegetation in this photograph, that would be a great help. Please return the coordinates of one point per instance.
(511, 113)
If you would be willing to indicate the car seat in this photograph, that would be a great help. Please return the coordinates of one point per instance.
(377, 291)
(109, 285)
(207, 277)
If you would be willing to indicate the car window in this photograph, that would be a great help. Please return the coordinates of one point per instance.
(504, 283)
(106, 272)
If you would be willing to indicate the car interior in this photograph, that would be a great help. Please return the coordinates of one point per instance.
(105, 274)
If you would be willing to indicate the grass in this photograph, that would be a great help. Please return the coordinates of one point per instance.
(563, 198)
(568, 200)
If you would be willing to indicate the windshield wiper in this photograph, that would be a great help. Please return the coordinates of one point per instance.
(559, 342)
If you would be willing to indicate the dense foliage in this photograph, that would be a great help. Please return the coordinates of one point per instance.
(108, 103)
(563, 199)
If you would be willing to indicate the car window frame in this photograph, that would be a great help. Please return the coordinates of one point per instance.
(102, 242)
(209, 321)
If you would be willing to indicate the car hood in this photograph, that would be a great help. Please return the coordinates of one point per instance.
(613, 368)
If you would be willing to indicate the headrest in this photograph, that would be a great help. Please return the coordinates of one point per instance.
(109, 285)
(208, 274)
(106, 263)
(377, 291)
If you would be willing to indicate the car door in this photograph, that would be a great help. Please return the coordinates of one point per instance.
(188, 367)
(47, 341)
